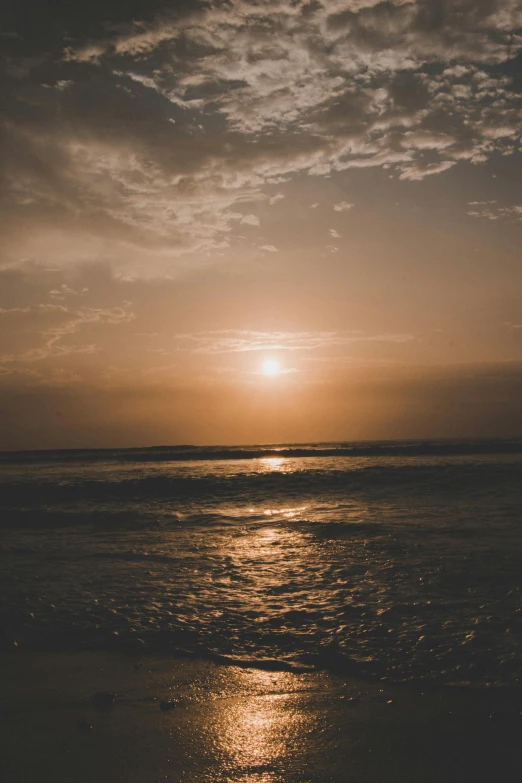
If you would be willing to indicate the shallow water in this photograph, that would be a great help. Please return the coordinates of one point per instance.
(397, 561)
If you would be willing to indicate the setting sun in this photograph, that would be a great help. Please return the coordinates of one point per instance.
(271, 367)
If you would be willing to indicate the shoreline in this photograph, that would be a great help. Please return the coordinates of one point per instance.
(175, 719)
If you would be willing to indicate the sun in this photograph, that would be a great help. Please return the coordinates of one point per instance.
(271, 367)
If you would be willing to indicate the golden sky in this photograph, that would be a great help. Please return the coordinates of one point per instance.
(260, 221)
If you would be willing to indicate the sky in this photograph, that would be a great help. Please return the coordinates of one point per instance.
(259, 221)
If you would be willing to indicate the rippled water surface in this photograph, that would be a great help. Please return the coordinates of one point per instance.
(399, 561)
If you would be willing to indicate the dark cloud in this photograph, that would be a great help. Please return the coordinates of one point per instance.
(155, 123)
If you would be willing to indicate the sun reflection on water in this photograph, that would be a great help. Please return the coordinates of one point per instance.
(271, 464)
(289, 513)
(259, 546)
(257, 732)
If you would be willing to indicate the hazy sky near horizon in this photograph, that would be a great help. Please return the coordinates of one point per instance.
(190, 189)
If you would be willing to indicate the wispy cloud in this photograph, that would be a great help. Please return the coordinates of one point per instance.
(275, 199)
(491, 210)
(239, 341)
(250, 220)
(41, 332)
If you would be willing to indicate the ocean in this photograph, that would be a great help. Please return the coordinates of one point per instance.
(396, 561)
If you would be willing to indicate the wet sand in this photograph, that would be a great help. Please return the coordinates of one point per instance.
(184, 720)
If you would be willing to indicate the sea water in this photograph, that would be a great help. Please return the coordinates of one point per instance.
(397, 561)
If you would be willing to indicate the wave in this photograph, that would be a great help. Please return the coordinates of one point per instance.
(446, 665)
(187, 453)
(253, 487)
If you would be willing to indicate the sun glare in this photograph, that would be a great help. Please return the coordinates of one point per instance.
(271, 367)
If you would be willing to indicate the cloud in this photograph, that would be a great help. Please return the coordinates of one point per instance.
(240, 341)
(275, 199)
(333, 233)
(343, 206)
(281, 371)
(36, 333)
(491, 210)
(65, 291)
(159, 130)
(250, 220)
(418, 171)
(269, 248)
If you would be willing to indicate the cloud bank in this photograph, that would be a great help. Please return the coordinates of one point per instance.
(149, 140)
